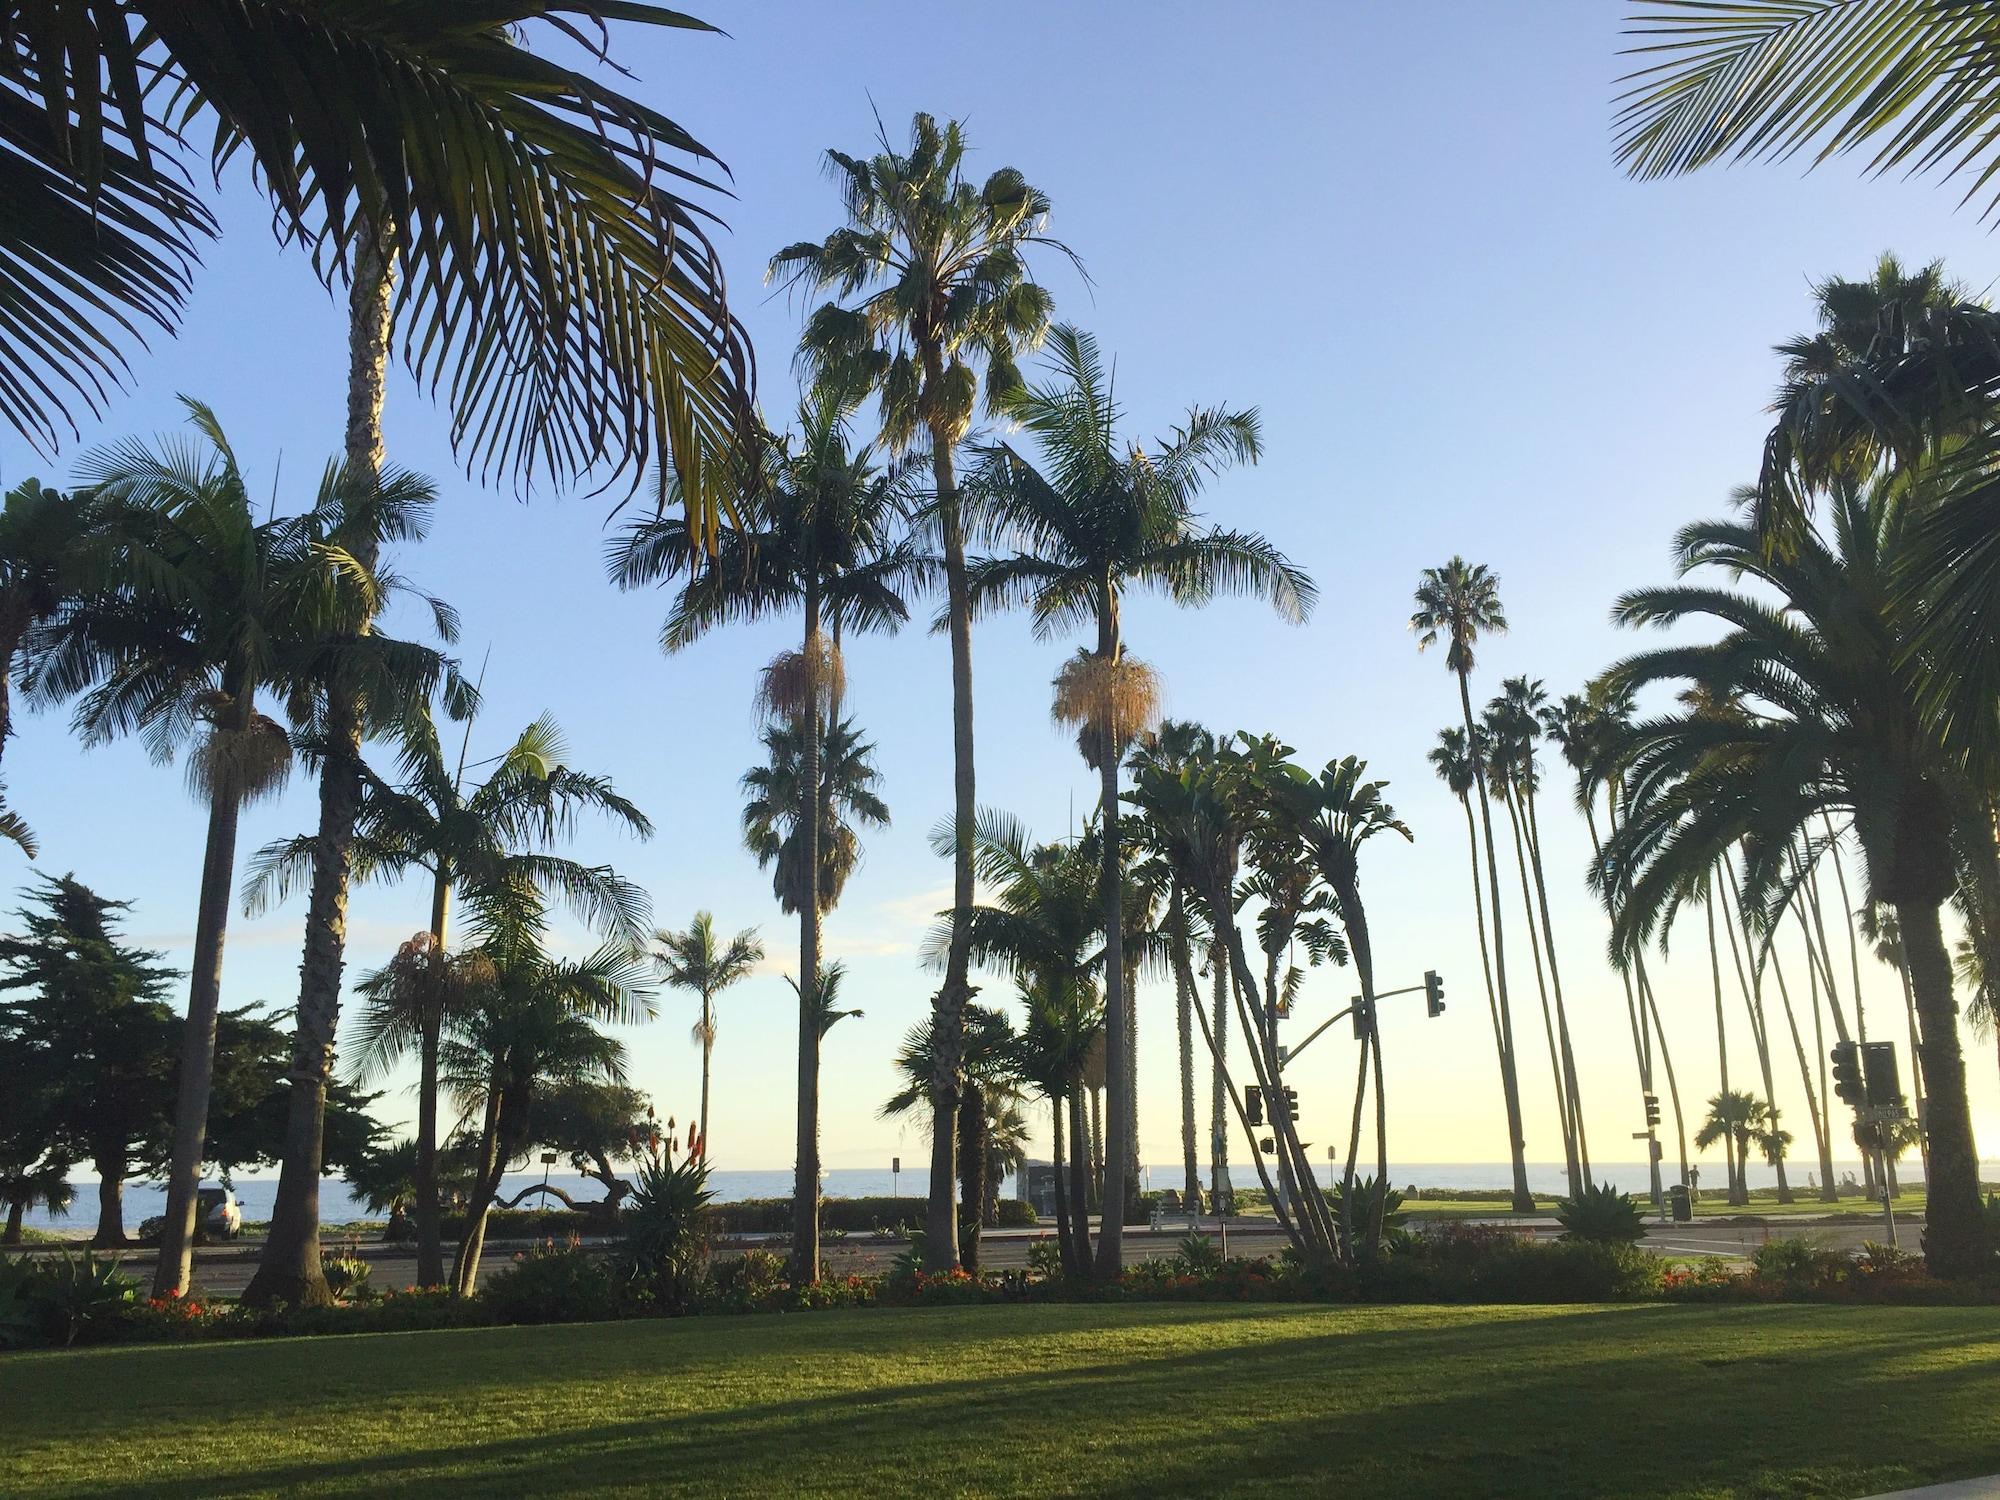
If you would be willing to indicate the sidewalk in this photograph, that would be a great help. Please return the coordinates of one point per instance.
(1959, 1489)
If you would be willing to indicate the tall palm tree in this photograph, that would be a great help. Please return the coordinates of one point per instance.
(451, 146)
(932, 280)
(478, 842)
(1457, 604)
(696, 960)
(815, 530)
(1098, 518)
(811, 855)
(200, 606)
(552, 374)
(1837, 731)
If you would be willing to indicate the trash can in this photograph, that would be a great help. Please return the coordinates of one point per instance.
(1679, 1205)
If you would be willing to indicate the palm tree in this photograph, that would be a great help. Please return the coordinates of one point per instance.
(46, 557)
(815, 530)
(811, 858)
(480, 842)
(695, 960)
(502, 307)
(1097, 519)
(992, 1086)
(1457, 604)
(1738, 1121)
(1836, 729)
(201, 606)
(933, 273)
(449, 148)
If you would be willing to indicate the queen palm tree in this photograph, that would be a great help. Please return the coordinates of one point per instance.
(1097, 519)
(811, 857)
(932, 277)
(199, 607)
(1836, 730)
(1458, 603)
(695, 960)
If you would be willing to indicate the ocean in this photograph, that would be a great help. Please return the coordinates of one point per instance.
(257, 1194)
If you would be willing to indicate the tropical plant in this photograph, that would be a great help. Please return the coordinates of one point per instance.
(932, 280)
(1832, 730)
(1457, 604)
(695, 960)
(1735, 1119)
(451, 149)
(665, 1250)
(991, 1085)
(1100, 517)
(47, 556)
(483, 843)
(1603, 1214)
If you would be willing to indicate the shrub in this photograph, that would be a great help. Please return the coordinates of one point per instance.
(1045, 1258)
(1798, 1261)
(71, 1299)
(346, 1275)
(551, 1283)
(666, 1242)
(748, 1282)
(1197, 1256)
(1602, 1215)
(535, 1224)
(1364, 1204)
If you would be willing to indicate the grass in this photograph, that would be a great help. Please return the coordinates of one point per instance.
(1386, 1402)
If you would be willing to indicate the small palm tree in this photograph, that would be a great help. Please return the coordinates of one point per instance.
(1090, 520)
(932, 276)
(695, 960)
(1457, 604)
(1733, 1118)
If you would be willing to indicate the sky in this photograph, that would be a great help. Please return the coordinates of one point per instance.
(1397, 231)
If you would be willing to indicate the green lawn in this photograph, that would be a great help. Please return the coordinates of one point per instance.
(1157, 1400)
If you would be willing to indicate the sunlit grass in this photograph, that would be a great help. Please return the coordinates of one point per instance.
(1384, 1402)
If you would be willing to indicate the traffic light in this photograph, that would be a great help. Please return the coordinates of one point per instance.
(1292, 1103)
(1253, 1103)
(1847, 1085)
(1652, 1111)
(1880, 1078)
(1433, 994)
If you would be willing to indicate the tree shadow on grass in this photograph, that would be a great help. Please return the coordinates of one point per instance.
(1647, 1401)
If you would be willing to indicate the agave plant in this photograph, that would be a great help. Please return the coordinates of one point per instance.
(1603, 1215)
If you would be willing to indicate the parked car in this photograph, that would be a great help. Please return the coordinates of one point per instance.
(217, 1216)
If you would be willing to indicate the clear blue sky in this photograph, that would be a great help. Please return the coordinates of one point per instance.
(1396, 230)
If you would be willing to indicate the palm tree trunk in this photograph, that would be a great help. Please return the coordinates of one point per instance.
(1572, 1084)
(290, 1269)
(1729, 1150)
(1652, 1005)
(1221, 1193)
(1097, 1154)
(707, 1053)
(971, 1173)
(805, 1175)
(16, 1210)
(1917, 1057)
(948, 1030)
(1822, 1127)
(1485, 956)
(1751, 983)
(1517, 1145)
(1079, 1180)
(1633, 1016)
(1955, 1236)
(1117, 1022)
(1183, 962)
(1061, 1163)
(429, 1215)
(486, 1182)
(1571, 1167)
(197, 1076)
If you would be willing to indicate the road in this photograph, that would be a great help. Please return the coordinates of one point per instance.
(225, 1270)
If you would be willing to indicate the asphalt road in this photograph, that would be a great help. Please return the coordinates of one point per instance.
(225, 1270)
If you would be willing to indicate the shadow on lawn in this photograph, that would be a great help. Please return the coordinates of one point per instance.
(1633, 1401)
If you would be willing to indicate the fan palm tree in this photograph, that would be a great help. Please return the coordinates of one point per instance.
(696, 960)
(811, 855)
(932, 282)
(199, 608)
(1831, 726)
(444, 145)
(481, 841)
(1097, 519)
(1737, 1121)
(1457, 604)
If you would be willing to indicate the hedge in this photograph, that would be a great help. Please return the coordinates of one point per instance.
(751, 1216)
